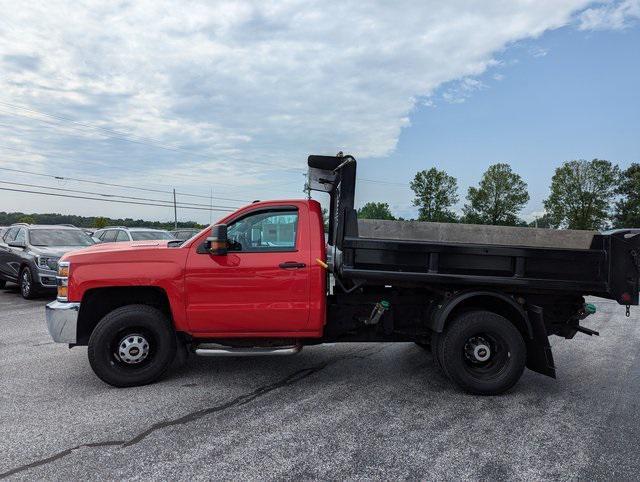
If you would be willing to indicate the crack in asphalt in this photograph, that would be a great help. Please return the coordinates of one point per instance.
(198, 414)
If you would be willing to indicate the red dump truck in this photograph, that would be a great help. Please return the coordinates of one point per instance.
(264, 281)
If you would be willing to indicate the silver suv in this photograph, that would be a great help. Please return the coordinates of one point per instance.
(29, 255)
(117, 234)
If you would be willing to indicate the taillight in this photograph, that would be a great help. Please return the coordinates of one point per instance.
(62, 280)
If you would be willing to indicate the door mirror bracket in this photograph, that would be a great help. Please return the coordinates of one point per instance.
(217, 243)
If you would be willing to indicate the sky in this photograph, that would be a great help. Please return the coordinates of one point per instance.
(223, 101)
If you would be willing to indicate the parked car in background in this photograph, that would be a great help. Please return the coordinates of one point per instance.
(117, 234)
(3, 229)
(29, 255)
(185, 233)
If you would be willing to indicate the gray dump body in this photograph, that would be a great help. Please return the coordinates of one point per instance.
(475, 234)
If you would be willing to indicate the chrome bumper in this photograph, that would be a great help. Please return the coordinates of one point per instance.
(62, 320)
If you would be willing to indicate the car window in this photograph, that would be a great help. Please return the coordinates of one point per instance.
(122, 236)
(21, 236)
(264, 231)
(109, 236)
(10, 235)
(59, 237)
(150, 235)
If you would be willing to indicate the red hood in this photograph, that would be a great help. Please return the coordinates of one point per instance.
(122, 246)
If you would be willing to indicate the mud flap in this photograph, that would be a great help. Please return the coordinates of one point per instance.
(539, 356)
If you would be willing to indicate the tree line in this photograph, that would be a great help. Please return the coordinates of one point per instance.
(95, 222)
(583, 194)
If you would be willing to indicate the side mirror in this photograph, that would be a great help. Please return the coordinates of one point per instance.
(17, 244)
(217, 243)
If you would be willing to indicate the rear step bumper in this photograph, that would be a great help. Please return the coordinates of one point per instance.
(214, 349)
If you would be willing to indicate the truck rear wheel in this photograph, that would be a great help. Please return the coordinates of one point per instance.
(482, 352)
(131, 346)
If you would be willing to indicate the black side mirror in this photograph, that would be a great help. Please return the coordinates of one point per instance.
(17, 244)
(217, 242)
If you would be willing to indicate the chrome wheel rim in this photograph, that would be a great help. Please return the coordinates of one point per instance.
(133, 349)
(485, 355)
(26, 283)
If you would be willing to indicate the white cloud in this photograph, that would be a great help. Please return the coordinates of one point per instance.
(610, 15)
(264, 81)
(462, 90)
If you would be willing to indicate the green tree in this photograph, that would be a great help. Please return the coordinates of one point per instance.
(435, 193)
(498, 199)
(373, 210)
(27, 219)
(582, 193)
(100, 222)
(627, 213)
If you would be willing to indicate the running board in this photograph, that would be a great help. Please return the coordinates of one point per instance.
(214, 349)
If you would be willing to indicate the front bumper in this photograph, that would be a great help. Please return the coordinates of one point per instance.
(62, 321)
(47, 278)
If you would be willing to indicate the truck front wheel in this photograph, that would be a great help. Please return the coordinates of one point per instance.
(482, 352)
(133, 345)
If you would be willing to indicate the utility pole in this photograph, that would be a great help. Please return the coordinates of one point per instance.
(175, 210)
(210, 205)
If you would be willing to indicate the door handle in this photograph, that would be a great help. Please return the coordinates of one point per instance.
(292, 265)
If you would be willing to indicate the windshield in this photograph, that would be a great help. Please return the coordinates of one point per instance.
(150, 235)
(59, 237)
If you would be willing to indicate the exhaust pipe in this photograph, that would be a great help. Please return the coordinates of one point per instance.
(214, 349)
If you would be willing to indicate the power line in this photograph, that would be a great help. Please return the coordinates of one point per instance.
(102, 183)
(106, 200)
(377, 181)
(170, 203)
(189, 178)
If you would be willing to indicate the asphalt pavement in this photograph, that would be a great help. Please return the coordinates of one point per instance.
(344, 411)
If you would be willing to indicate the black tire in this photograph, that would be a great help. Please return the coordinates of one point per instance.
(27, 284)
(436, 350)
(3, 283)
(138, 326)
(482, 352)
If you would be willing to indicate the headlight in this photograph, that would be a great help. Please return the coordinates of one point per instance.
(63, 280)
(46, 262)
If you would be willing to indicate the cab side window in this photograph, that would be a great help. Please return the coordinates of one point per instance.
(264, 231)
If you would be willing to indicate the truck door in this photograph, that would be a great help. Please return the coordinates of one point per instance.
(261, 285)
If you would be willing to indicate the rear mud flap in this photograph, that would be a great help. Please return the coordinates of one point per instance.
(539, 356)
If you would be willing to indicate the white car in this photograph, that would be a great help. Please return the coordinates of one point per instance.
(117, 234)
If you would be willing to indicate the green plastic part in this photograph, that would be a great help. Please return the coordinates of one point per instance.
(590, 308)
(385, 304)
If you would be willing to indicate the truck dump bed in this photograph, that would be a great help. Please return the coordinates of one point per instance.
(452, 256)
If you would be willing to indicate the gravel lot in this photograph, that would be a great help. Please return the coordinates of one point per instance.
(352, 411)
